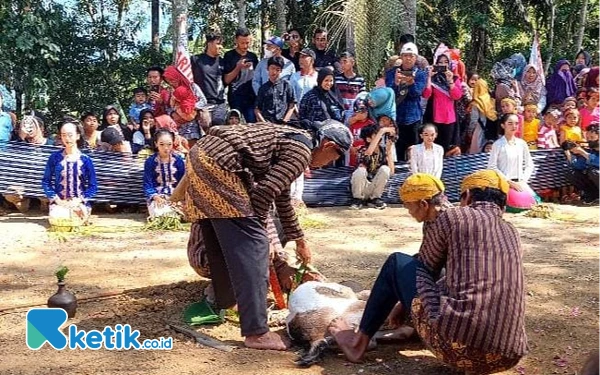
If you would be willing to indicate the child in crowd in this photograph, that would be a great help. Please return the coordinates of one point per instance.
(427, 157)
(275, 101)
(487, 147)
(234, 117)
(531, 126)
(376, 165)
(91, 135)
(140, 102)
(547, 138)
(571, 130)
(591, 111)
(162, 173)
(113, 141)
(359, 119)
(143, 136)
(69, 179)
(509, 106)
(583, 165)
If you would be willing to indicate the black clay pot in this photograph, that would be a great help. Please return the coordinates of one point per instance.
(64, 299)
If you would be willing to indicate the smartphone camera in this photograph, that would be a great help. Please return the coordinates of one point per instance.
(440, 68)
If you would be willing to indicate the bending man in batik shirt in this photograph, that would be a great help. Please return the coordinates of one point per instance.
(233, 176)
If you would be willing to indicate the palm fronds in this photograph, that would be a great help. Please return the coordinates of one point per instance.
(370, 23)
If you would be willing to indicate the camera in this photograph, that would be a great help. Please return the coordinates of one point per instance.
(155, 88)
(440, 68)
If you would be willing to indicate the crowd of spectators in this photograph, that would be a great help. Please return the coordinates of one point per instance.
(417, 112)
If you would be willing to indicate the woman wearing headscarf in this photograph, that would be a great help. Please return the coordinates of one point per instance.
(503, 73)
(582, 60)
(560, 84)
(532, 88)
(322, 102)
(482, 110)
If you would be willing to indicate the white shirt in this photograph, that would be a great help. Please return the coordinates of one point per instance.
(427, 161)
(512, 159)
(301, 84)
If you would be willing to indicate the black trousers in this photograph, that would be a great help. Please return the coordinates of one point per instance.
(585, 181)
(397, 282)
(408, 135)
(446, 136)
(238, 257)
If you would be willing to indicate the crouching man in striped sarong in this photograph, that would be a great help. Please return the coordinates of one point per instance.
(472, 317)
(233, 176)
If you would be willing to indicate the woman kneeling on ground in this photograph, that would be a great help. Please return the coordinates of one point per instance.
(472, 317)
(70, 179)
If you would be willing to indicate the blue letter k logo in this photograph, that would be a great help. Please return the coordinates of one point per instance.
(43, 325)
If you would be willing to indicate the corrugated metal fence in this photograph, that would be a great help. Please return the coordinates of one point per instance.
(120, 177)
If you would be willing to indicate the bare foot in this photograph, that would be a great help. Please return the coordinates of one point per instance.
(353, 344)
(267, 341)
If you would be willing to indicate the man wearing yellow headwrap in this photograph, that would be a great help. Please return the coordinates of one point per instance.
(396, 285)
(472, 316)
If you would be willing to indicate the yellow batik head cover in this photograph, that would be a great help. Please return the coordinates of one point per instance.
(485, 178)
(420, 186)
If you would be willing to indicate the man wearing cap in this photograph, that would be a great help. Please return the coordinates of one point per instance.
(305, 79)
(408, 82)
(348, 83)
(238, 70)
(207, 68)
(273, 48)
(233, 177)
(471, 318)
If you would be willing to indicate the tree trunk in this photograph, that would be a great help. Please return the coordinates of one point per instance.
(410, 21)
(179, 7)
(241, 4)
(264, 21)
(350, 42)
(582, 21)
(550, 36)
(155, 23)
(280, 21)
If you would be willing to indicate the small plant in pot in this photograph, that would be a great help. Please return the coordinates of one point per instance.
(63, 299)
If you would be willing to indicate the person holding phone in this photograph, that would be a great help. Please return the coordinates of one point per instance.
(238, 71)
(408, 82)
(293, 38)
(158, 96)
(442, 90)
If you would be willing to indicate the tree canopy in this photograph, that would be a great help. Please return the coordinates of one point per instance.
(83, 57)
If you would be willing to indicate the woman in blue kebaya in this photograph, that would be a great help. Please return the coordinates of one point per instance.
(69, 180)
(162, 173)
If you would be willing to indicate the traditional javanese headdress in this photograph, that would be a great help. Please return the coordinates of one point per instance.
(485, 178)
(420, 186)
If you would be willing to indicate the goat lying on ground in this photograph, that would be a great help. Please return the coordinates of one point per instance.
(313, 308)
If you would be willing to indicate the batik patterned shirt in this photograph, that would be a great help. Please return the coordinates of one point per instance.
(480, 301)
(240, 170)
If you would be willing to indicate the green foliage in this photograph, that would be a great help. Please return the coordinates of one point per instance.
(61, 273)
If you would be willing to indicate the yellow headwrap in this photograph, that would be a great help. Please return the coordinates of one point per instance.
(485, 178)
(420, 186)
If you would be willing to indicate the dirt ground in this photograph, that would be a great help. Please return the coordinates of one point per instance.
(152, 271)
